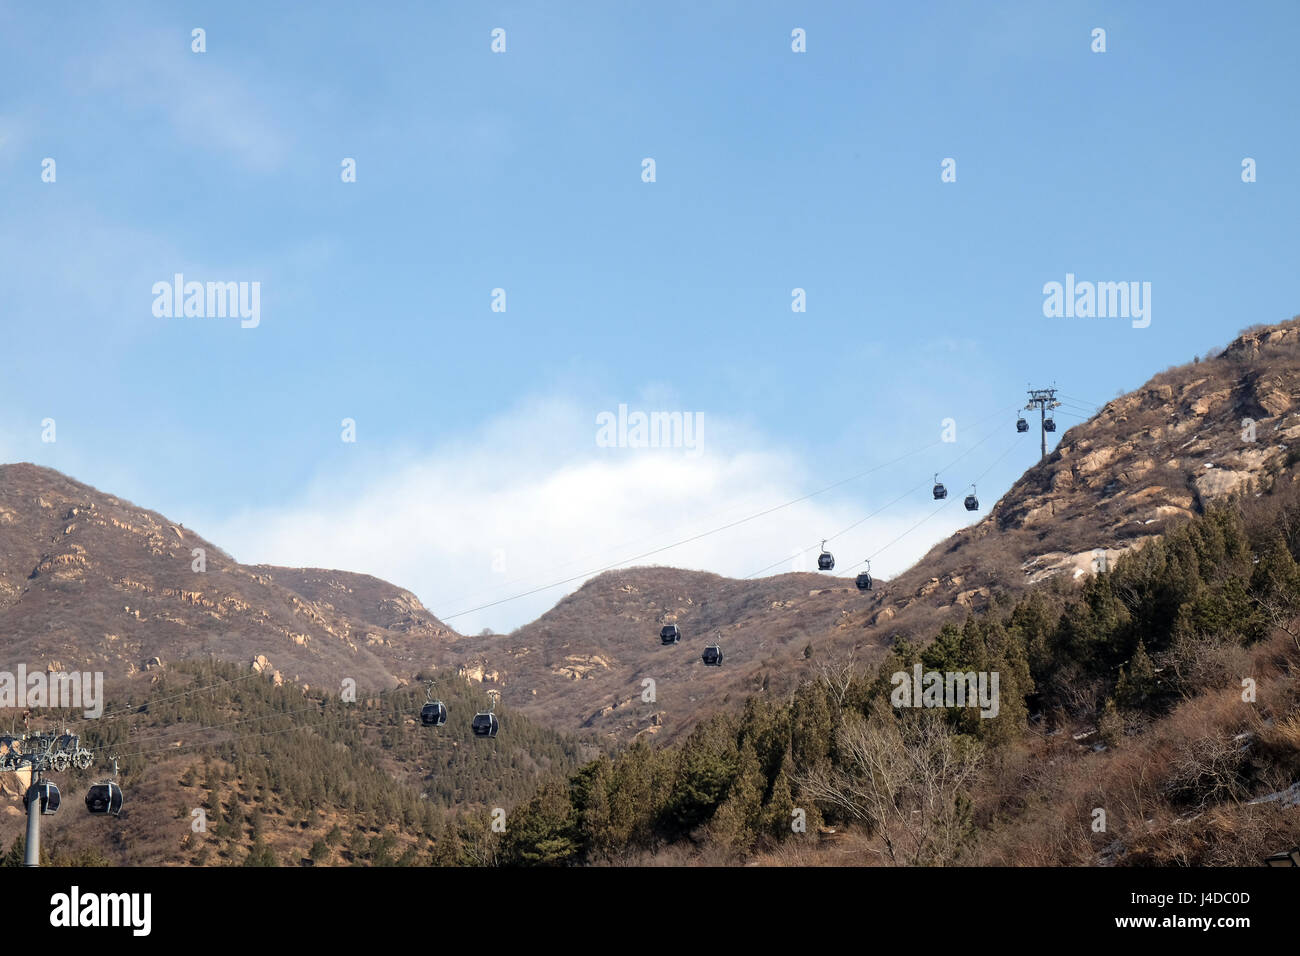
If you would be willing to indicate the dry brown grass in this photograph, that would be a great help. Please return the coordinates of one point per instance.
(1175, 795)
(844, 847)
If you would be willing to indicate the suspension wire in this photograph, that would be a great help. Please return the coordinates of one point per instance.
(693, 538)
(136, 710)
(1076, 407)
(877, 552)
(143, 706)
(882, 550)
(128, 711)
(158, 733)
(236, 738)
(855, 524)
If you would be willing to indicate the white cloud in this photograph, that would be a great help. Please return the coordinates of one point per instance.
(532, 491)
(207, 106)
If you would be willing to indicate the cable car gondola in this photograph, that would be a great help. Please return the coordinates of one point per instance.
(670, 634)
(864, 579)
(825, 560)
(104, 798)
(434, 711)
(712, 656)
(1022, 425)
(940, 492)
(49, 796)
(485, 724)
(1049, 424)
(433, 714)
(972, 503)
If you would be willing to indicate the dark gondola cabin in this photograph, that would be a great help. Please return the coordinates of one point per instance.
(972, 503)
(825, 561)
(864, 581)
(940, 492)
(712, 656)
(104, 798)
(1022, 425)
(433, 714)
(485, 725)
(49, 796)
(671, 634)
(1049, 425)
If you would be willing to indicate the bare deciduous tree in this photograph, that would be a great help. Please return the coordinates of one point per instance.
(1208, 769)
(838, 674)
(906, 779)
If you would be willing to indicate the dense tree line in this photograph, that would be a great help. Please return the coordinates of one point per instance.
(1122, 646)
(1128, 642)
(267, 760)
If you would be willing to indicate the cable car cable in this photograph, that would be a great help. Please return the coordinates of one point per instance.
(693, 538)
(129, 711)
(855, 524)
(918, 524)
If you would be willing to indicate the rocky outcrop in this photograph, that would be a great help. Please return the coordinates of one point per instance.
(479, 673)
(1144, 461)
(580, 666)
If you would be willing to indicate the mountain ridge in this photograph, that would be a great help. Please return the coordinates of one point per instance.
(88, 577)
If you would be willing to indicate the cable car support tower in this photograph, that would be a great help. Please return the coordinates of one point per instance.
(1042, 399)
(41, 754)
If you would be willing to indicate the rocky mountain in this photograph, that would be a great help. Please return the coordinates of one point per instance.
(1190, 435)
(87, 579)
(91, 582)
(585, 662)
(1146, 460)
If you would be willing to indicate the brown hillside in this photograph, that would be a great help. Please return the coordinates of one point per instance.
(89, 580)
(92, 582)
(1148, 458)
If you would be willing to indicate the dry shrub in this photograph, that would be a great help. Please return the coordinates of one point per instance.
(1278, 752)
(1205, 753)
(906, 779)
(1208, 769)
(1202, 662)
(1224, 836)
(846, 847)
(677, 854)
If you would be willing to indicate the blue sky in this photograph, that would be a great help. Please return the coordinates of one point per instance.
(475, 473)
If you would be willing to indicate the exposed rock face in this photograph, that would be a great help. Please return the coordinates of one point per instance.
(1113, 484)
(1217, 482)
(1076, 565)
(1144, 461)
(128, 573)
(1252, 343)
(579, 666)
(14, 783)
(479, 673)
(1192, 435)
